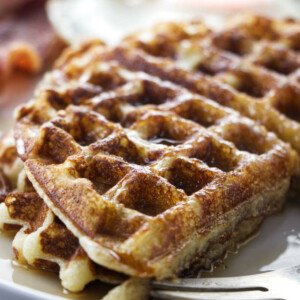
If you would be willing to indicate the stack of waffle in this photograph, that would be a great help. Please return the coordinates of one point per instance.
(158, 155)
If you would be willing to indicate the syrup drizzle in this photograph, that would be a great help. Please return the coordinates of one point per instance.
(165, 141)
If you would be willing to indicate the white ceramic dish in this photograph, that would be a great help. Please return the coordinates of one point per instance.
(277, 244)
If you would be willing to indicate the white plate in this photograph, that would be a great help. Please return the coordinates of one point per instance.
(277, 244)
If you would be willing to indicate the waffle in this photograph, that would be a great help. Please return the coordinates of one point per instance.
(121, 160)
(42, 240)
(251, 66)
(143, 176)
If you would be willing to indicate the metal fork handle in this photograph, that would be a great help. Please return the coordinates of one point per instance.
(232, 288)
(249, 295)
(243, 283)
(273, 285)
(258, 282)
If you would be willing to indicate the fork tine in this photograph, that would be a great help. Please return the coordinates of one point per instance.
(248, 295)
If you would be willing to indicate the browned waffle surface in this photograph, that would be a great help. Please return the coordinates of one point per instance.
(42, 240)
(147, 175)
(251, 66)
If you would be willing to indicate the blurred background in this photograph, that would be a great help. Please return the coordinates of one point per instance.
(34, 32)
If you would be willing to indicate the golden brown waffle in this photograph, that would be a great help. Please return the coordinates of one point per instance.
(252, 66)
(121, 159)
(141, 175)
(42, 240)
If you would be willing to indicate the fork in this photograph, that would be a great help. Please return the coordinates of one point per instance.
(283, 284)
